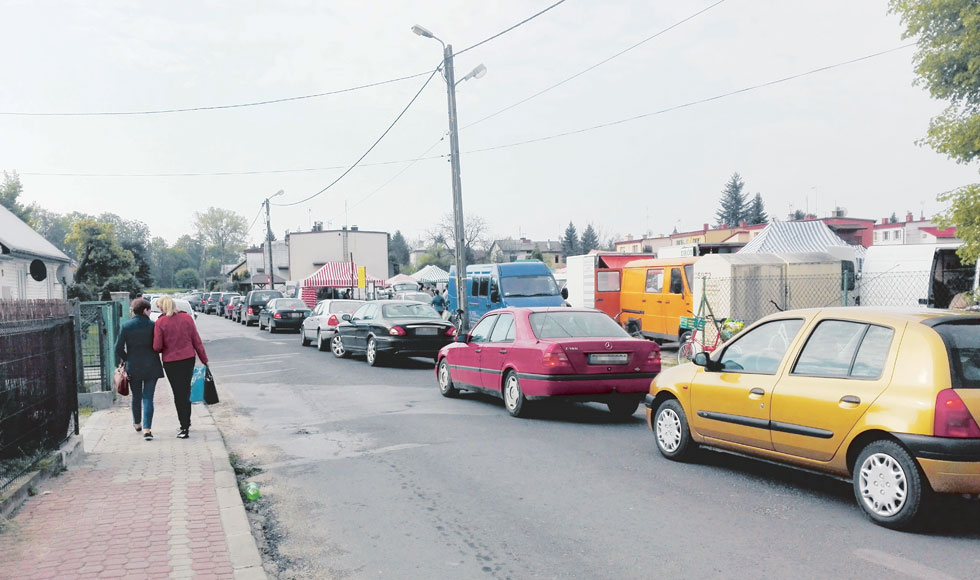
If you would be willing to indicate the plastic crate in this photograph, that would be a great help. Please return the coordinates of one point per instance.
(692, 322)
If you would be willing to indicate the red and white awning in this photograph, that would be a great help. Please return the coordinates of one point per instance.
(337, 275)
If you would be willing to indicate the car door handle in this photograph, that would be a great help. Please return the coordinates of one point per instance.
(478, 350)
(850, 400)
(502, 351)
(757, 392)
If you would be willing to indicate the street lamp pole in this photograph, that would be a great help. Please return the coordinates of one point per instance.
(268, 239)
(459, 229)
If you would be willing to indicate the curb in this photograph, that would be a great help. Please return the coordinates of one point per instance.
(242, 548)
(20, 489)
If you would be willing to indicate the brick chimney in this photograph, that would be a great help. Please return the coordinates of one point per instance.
(743, 223)
(884, 221)
(705, 227)
(909, 217)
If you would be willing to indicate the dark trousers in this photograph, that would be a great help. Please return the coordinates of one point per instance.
(179, 373)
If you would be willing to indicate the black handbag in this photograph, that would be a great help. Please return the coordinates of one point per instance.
(210, 391)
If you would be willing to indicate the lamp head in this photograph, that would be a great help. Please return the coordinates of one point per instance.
(278, 193)
(422, 31)
(479, 71)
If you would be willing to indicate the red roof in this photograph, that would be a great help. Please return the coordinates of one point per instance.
(946, 233)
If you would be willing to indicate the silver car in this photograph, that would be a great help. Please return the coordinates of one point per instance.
(321, 326)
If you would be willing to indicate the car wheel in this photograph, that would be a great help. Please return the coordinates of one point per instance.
(514, 399)
(622, 409)
(303, 341)
(320, 343)
(270, 328)
(337, 347)
(672, 432)
(446, 380)
(373, 356)
(889, 486)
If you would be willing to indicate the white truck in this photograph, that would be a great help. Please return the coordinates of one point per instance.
(927, 275)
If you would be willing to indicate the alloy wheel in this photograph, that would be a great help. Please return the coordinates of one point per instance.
(883, 484)
(668, 430)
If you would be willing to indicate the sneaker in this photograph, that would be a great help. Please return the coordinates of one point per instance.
(183, 434)
(138, 427)
(147, 436)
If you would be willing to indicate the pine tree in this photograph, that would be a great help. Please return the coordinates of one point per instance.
(569, 242)
(590, 240)
(732, 210)
(756, 213)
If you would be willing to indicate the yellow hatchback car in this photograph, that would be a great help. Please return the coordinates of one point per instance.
(887, 398)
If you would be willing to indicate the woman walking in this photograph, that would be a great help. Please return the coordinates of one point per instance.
(175, 337)
(135, 347)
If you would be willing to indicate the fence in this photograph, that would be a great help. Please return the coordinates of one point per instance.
(749, 298)
(38, 382)
(100, 323)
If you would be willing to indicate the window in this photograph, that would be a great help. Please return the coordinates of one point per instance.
(655, 281)
(482, 331)
(318, 310)
(409, 311)
(556, 258)
(359, 313)
(842, 349)
(504, 330)
(575, 324)
(607, 281)
(689, 274)
(484, 286)
(963, 345)
(370, 312)
(676, 283)
(761, 349)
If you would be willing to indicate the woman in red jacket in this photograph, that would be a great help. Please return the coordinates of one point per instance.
(175, 337)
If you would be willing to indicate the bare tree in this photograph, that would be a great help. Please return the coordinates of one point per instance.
(475, 233)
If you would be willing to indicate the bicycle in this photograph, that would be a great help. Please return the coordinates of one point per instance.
(692, 345)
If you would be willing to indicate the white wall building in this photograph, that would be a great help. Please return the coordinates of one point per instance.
(30, 266)
(309, 251)
(912, 231)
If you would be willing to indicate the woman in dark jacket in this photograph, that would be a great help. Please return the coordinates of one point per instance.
(135, 347)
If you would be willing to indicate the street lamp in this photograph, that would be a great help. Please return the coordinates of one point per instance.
(479, 71)
(268, 238)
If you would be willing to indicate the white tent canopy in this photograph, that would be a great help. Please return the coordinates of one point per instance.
(432, 274)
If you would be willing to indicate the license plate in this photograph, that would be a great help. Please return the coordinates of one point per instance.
(427, 331)
(609, 359)
(296, 315)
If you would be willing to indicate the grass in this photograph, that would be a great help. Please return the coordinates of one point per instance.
(85, 411)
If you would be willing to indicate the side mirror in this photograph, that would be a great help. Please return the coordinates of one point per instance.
(463, 337)
(564, 292)
(701, 359)
(345, 317)
(495, 296)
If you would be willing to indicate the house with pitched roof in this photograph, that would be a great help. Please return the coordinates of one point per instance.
(511, 250)
(31, 267)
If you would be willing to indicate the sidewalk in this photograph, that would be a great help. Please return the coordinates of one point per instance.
(167, 508)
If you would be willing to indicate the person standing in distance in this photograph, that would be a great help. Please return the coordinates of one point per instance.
(175, 337)
(439, 303)
(135, 347)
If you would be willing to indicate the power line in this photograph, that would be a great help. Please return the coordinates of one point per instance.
(210, 107)
(692, 103)
(371, 148)
(596, 65)
(503, 32)
(255, 220)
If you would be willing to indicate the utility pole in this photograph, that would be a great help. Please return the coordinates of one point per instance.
(457, 191)
(268, 238)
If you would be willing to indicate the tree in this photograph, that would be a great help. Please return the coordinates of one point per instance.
(756, 212)
(964, 213)
(104, 265)
(399, 254)
(590, 240)
(797, 215)
(187, 278)
(569, 241)
(475, 232)
(537, 255)
(732, 210)
(10, 190)
(53, 226)
(223, 230)
(893, 219)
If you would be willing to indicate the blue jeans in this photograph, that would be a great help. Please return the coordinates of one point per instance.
(143, 390)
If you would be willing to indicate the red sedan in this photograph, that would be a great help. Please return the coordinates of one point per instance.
(522, 354)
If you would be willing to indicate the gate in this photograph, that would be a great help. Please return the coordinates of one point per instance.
(100, 327)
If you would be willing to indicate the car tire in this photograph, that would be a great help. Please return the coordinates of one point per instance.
(671, 430)
(446, 386)
(514, 400)
(303, 341)
(337, 347)
(270, 328)
(320, 344)
(889, 486)
(622, 409)
(372, 355)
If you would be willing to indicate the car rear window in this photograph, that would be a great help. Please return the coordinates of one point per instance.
(417, 310)
(575, 325)
(263, 296)
(963, 346)
(290, 303)
(344, 306)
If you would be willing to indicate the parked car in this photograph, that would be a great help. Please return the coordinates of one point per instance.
(236, 313)
(231, 304)
(522, 354)
(195, 300)
(388, 328)
(255, 302)
(886, 398)
(321, 325)
(413, 296)
(283, 313)
(211, 303)
(223, 299)
(182, 305)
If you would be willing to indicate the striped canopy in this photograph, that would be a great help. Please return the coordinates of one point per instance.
(400, 279)
(337, 275)
(795, 237)
(432, 274)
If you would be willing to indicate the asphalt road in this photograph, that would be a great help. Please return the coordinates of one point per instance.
(372, 474)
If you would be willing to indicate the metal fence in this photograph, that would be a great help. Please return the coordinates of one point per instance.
(100, 324)
(38, 378)
(749, 298)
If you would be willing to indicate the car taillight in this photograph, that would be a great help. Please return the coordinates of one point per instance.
(654, 357)
(250, 313)
(277, 315)
(397, 331)
(451, 331)
(332, 321)
(555, 357)
(953, 419)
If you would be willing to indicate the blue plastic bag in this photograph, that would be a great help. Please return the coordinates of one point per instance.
(197, 384)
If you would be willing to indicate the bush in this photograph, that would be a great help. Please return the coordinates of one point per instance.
(187, 278)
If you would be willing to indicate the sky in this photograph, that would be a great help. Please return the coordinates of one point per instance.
(842, 137)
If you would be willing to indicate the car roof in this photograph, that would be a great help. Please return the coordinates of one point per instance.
(884, 314)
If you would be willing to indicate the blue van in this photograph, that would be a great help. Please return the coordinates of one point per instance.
(491, 286)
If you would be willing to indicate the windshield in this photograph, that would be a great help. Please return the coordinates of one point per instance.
(409, 311)
(963, 345)
(575, 325)
(542, 285)
(290, 303)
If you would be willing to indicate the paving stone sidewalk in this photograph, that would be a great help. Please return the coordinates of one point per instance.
(161, 509)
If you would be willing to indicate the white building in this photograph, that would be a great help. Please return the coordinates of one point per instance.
(309, 251)
(912, 231)
(30, 266)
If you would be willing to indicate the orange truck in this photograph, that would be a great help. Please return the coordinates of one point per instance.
(655, 294)
(595, 280)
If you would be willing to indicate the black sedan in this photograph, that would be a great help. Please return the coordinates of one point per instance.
(282, 313)
(387, 328)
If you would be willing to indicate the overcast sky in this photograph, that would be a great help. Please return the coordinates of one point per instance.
(842, 137)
